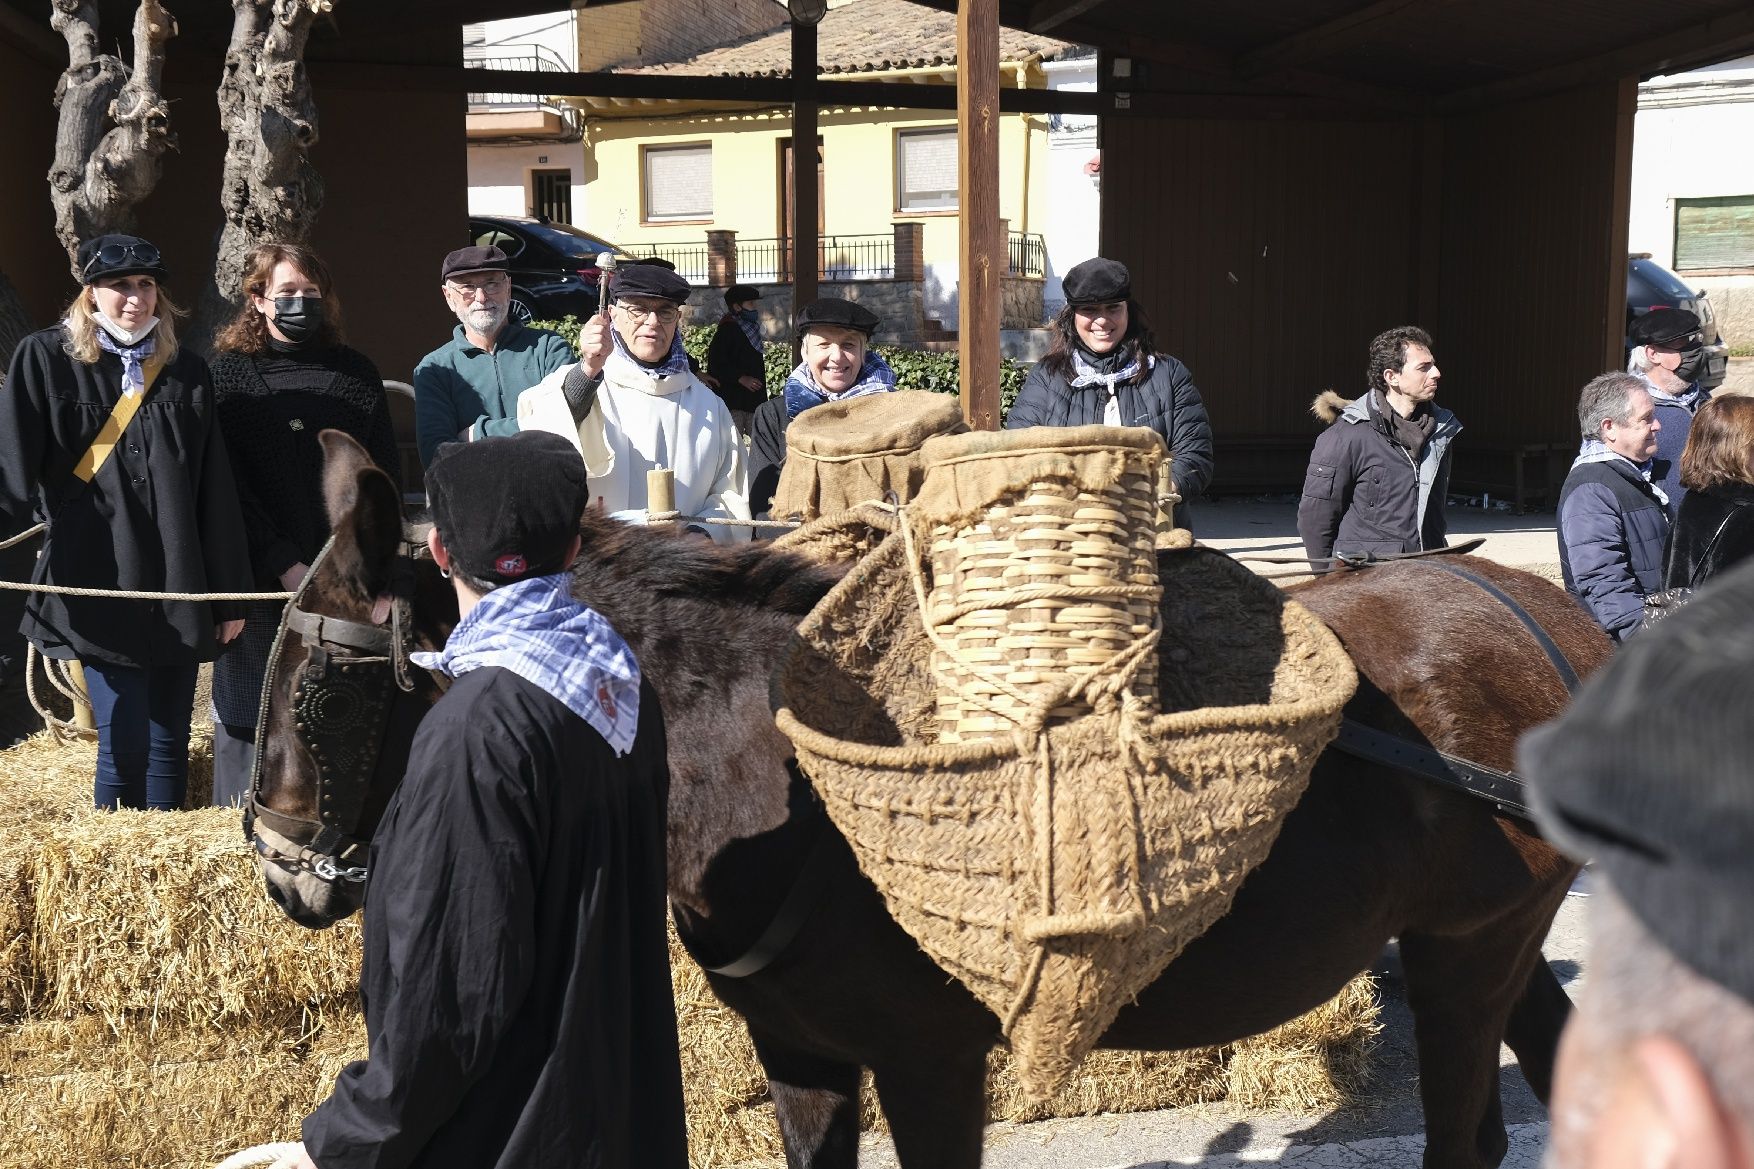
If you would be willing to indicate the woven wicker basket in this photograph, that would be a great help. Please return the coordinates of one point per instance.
(1052, 584)
(1057, 876)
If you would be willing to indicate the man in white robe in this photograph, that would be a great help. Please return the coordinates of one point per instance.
(632, 404)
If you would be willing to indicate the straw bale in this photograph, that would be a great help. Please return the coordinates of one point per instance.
(165, 916)
(88, 1096)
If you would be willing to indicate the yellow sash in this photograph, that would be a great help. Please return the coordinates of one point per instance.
(110, 433)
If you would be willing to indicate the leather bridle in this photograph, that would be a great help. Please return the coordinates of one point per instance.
(342, 698)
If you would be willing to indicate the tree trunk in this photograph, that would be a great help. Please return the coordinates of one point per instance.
(115, 124)
(270, 190)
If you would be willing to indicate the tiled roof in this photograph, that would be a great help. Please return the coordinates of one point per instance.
(863, 36)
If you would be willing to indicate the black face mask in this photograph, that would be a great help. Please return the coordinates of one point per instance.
(1692, 365)
(299, 318)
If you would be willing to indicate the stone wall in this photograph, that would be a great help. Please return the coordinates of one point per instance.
(1732, 302)
(668, 30)
(1021, 302)
(897, 303)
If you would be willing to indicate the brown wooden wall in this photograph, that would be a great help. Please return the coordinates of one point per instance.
(1269, 252)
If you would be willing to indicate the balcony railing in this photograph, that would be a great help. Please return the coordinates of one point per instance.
(525, 59)
(1027, 254)
(838, 257)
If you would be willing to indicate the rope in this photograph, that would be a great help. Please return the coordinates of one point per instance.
(671, 517)
(59, 727)
(260, 1155)
(22, 536)
(132, 595)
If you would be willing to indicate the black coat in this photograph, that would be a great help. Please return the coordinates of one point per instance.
(1167, 401)
(1713, 531)
(731, 356)
(1364, 493)
(271, 434)
(517, 977)
(767, 452)
(160, 515)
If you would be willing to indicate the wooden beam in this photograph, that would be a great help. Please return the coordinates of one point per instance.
(1619, 217)
(1048, 14)
(1325, 39)
(981, 255)
(1718, 39)
(804, 208)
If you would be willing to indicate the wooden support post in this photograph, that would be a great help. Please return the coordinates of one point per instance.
(82, 715)
(660, 492)
(982, 253)
(805, 238)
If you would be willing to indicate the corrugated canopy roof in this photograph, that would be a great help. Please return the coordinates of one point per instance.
(863, 36)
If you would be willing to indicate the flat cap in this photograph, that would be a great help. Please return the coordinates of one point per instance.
(1097, 281)
(473, 259)
(1647, 775)
(738, 293)
(105, 256)
(655, 278)
(1674, 328)
(508, 507)
(839, 313)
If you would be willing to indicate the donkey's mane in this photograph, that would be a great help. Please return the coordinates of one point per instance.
(664, 562)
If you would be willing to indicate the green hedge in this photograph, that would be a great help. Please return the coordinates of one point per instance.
(915, 369)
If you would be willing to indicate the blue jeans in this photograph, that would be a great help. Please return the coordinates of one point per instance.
(142, 734)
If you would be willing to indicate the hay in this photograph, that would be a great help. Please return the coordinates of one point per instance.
(139, 913)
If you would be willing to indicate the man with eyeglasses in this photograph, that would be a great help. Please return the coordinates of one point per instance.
(1668, 353)
(468, 388)
(632, 404)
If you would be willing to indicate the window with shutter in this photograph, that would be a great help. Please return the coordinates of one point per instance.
(1714, 233)
(925, 170)
(678, 182)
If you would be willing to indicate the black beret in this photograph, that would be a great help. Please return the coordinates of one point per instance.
(738, 293)
(115, 254)
(1675, 328)
(507, 507)
(1097, 281)
(842, 314)
(1647, 774)
(655, 278)
(466, 260)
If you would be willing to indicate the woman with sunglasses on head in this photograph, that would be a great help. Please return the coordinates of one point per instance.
(108, 432)
(282, 376)
(1104, 369)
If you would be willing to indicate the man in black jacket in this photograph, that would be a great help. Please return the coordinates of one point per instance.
(734, 359)
(517, 979)
(1379, 473)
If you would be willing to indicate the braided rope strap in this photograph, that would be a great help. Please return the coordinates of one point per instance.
(259, 1155)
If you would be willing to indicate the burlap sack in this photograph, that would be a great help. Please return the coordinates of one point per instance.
(861, 450)
(1056, 876)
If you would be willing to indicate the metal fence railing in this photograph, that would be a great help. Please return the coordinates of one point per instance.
(689, 257)
(838, 257)
(1027, 254)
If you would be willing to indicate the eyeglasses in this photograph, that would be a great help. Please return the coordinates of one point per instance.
(484, 289)
(112, 255)
(666, 315)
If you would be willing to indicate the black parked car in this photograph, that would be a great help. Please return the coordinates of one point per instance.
(1650, 285)
(553, 265)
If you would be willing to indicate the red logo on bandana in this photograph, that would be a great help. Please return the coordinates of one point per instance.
(605, 699)
(510, 565)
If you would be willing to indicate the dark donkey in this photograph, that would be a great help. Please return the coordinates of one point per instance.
(1368, 854)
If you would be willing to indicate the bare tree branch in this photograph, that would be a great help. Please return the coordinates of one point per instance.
(115, 124)
(270, 190)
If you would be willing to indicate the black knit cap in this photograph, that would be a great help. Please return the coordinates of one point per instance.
(105, 256)
(1647, 774)
(1674, 328)
(463, 261)
(1097, 281)
(738, 293)
(653, 278)
(507, 507)
(842, 314)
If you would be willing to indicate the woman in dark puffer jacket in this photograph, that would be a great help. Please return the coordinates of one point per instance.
(1104, 369)
(1714, 528)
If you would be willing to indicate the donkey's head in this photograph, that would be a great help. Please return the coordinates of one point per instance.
(341, 699)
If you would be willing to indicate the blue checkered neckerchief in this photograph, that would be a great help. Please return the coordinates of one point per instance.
(134, 358)
(535, 629)
(675, 361)
(802, 392)
(1126, 367)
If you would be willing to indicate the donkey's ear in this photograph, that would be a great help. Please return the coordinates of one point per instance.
(365, 513)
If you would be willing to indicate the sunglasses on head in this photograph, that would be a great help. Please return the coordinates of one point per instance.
(112, 255)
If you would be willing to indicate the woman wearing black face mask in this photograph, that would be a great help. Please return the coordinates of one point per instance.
(282, 377)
